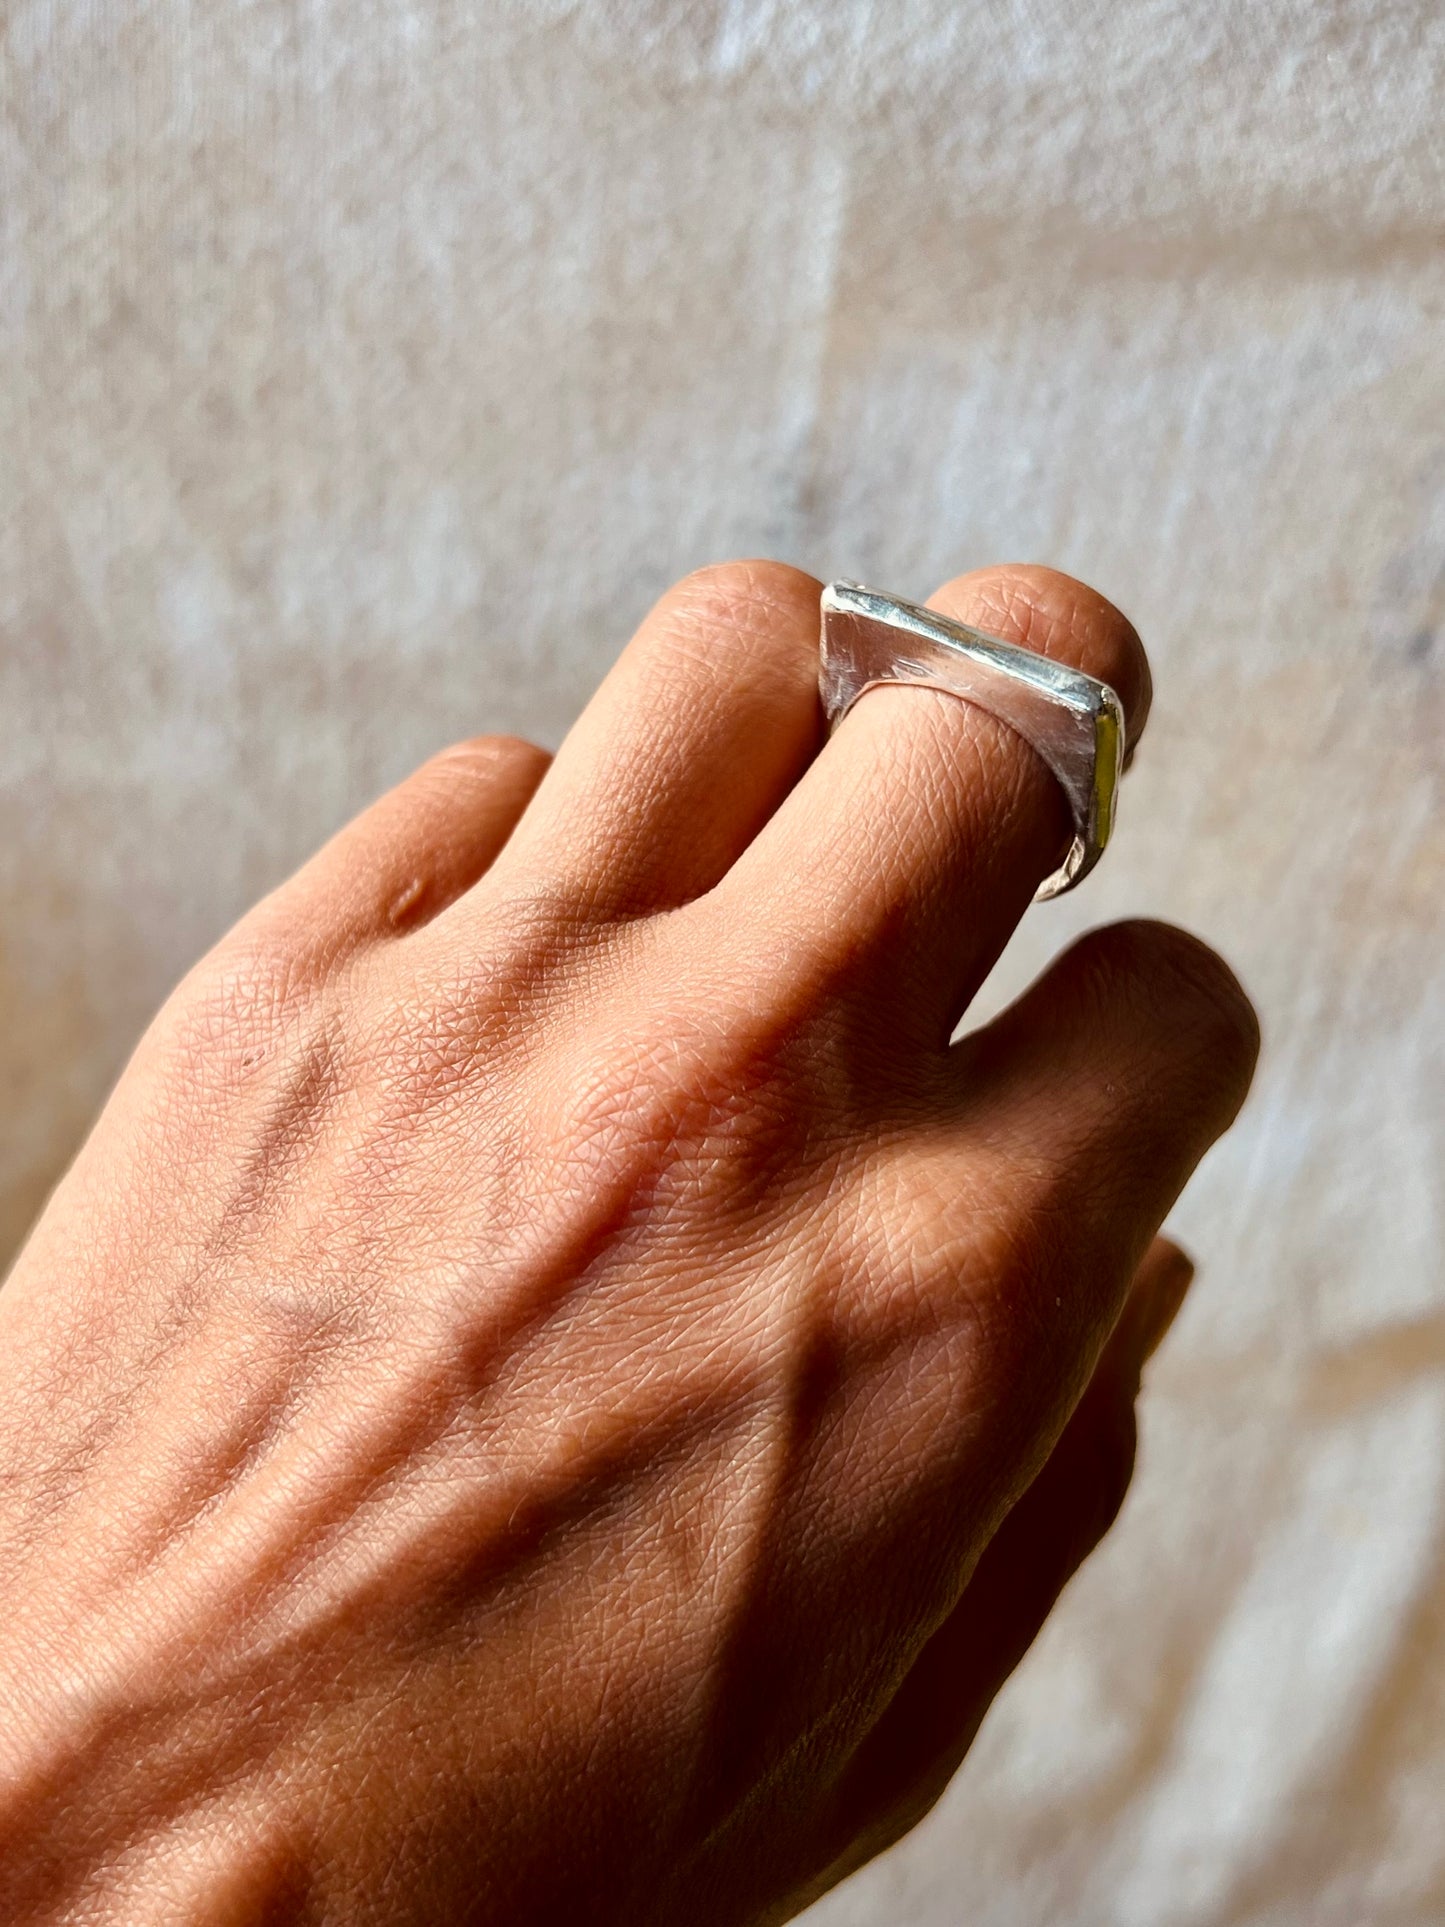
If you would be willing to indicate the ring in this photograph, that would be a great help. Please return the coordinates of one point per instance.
(1074, 721)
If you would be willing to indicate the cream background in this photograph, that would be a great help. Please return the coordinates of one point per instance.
(367, 369)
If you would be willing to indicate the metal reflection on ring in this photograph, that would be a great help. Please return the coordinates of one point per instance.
(1073, 721)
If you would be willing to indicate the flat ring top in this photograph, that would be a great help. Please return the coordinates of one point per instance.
(1072, 720)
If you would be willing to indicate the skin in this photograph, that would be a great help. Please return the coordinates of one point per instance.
(553, 1392)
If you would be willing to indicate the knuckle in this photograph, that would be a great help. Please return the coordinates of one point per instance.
(489, 759)
(1199, 987)
(232, 1013)
(754, 598)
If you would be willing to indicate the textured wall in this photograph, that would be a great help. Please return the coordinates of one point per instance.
(368, 367)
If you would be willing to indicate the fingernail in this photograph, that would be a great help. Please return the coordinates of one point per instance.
(1163, 1291)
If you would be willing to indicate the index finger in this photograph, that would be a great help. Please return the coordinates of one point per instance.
(909, 850)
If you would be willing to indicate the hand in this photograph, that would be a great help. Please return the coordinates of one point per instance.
(552, 1393)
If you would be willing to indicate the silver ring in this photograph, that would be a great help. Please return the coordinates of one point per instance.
(1074, 721)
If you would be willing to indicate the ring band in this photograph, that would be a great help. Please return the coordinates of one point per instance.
(1074, 721)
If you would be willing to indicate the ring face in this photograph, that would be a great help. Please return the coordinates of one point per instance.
(1073, 721)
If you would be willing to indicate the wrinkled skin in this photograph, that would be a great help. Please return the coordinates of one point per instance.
(553, 1392)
